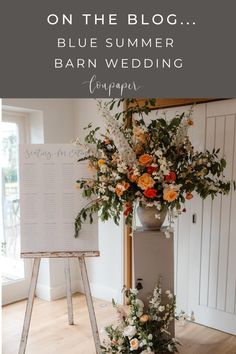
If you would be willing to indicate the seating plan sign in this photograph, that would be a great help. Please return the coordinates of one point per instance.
(50, 201)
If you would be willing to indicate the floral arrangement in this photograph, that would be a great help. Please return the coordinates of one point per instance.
(142, 330)
(152, 164)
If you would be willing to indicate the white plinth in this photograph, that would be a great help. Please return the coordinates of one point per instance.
(153, 256)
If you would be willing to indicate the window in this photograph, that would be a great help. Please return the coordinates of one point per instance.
(15, 271)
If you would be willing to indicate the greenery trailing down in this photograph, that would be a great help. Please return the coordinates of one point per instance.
(150, 161)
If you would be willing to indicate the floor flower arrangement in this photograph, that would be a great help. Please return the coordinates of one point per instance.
(142, 330)
(151, 164)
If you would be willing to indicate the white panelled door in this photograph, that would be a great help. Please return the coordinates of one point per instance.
(205, 251)
(211, 278)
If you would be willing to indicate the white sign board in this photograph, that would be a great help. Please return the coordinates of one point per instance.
(49, 200)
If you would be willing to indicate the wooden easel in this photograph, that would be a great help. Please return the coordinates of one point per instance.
(35, 271)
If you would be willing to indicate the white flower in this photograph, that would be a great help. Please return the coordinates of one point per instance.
(112, 189)
(140, 303)
(102, 190)
(161, 308)
(103, 168)
(170, 348)
(167, 234)
(134, 291)
(129, 331)
(158, 153)
(105, 198)
(169, 294)
(140, 307)
(147, 351)
(150, 336)
(126, 153)
(121, 167)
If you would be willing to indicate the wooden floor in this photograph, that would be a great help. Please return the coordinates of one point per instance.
(51, 334)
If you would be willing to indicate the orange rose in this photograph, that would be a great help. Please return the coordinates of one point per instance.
(101, 162)
(121, 187)
(145, 159)
(144, 318)
(169, 195)
(134, 344)
(146, 181)
(188, 196)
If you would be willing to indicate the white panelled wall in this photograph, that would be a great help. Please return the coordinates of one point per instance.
(205, 262)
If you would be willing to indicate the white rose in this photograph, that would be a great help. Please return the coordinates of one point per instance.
(129, 331)
(161, 308)
(140, 307)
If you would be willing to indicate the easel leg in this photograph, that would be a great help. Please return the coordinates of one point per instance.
(68, 291)
(89, 303)
(29, 306)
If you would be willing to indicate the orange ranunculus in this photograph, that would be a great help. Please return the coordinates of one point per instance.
(101, 162)
(169, 194)
(121, 187)
(171, 177)
(150, 193)
(134, 344)
(145, 159)
(126, 185)
(190, 121)
(132, 177)
(144, 318)
(146, 181)
(188, 196)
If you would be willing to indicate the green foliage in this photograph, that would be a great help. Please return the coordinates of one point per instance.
(113, 192)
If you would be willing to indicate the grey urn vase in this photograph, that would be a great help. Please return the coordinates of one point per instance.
(151, 218)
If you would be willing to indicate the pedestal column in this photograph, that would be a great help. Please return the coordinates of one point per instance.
(153, 257)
